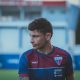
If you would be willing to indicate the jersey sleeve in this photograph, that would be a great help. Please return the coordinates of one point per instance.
(23, 66)
(69, 65)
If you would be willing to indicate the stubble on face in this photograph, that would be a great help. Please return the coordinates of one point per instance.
(41, 44)
(37, 39)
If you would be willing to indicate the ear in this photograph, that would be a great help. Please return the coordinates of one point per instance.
(48, 36)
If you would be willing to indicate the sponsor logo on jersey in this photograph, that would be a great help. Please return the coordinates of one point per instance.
(34, 62)
(57, 72)
(58, 59)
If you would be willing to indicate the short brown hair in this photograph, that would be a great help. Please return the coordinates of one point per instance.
(42, 25)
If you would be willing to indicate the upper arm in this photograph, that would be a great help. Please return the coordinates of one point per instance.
(70, 77)
(23, 66)
(23, 78)
(69, 69)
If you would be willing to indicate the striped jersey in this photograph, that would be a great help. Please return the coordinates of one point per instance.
(56, 65)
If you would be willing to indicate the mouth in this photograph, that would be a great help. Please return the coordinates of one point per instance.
(34, 45)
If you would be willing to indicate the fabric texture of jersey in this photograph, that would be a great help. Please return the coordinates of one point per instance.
(38, 66)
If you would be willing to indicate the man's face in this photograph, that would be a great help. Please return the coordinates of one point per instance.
(38, 39)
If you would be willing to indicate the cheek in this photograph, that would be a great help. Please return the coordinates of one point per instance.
(37, 41)
(42, 41)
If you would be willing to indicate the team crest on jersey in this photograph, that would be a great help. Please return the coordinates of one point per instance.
(58, 59)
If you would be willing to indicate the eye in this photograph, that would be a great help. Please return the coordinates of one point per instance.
(35, 35)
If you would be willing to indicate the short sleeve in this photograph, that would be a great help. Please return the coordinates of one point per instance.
(23, 65)
(69, 65)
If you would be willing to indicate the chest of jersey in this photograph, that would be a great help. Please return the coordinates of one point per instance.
(46, 67)
(45, 61)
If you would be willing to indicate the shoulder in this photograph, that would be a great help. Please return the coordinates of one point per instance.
(24, 56)
(28, 52)
(65, 54)
(61, 51)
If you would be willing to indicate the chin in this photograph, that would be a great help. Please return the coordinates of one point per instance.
(34, 47)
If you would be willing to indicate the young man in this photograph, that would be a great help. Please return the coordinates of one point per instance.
(44, 61)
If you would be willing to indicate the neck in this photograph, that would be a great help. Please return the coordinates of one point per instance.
(47, 49)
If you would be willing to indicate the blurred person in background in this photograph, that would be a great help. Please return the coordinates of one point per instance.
(44, 61)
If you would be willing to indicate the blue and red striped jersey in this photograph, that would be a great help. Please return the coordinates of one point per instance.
(38, 66)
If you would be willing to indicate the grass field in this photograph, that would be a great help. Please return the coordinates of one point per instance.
(13, 75)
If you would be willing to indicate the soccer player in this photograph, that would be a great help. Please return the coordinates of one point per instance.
(44, 61)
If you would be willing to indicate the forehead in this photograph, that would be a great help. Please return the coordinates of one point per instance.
(35, 32)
